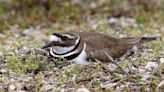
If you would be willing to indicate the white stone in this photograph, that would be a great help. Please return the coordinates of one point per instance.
(48, 87)
(112, 20)
(74, 77)
(1, 54)
(22, 91)
(160, 87)
(2, 35)
(151, 65)
(107, 86)
(141, 70)
(3, 71)
(12, 80)
(145, 76)
(12, 87)
(82, 90)
(62, 90)
(29, 31)
(111, 67)
(93, 5)
(162, 60)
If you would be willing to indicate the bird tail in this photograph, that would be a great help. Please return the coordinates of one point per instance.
(147, 39)
(137, 40)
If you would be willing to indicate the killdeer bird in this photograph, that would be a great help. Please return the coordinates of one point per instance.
(79, 47)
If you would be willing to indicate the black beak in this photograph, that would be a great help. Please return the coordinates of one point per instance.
(47, 46)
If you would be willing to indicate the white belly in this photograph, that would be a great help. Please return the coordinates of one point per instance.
(80, 59)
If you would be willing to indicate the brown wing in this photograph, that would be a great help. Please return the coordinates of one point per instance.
(114, 52)
(99, 41)
(116, 47)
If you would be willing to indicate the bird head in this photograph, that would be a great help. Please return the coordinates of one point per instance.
(62, 42)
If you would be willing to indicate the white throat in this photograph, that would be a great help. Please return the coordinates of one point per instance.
(61, 50)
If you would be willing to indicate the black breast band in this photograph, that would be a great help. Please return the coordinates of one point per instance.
(72, 56)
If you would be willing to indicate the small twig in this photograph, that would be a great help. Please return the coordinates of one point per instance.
(102, 64)
(109, 56)
(112, 60)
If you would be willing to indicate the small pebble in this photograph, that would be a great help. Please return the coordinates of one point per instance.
(29, 31)
(107, 86)
(151, 66)
(160, 87)
(112, 20)
(2, 35)
(141, 70)
(162, 60)
(3, 71)
(22, 91)
(1, 54)
(145, 76)
(82, 90)
(12, 87)
(74, 77)
(93, 5)
(12, 80)
(112, 67)
(47, 88)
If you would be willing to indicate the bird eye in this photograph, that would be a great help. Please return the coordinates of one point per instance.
(64, 38)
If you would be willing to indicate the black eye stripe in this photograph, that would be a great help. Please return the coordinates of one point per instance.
(58, 35)
(64, 38)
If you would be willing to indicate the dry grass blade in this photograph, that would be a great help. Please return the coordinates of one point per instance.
(112, 60)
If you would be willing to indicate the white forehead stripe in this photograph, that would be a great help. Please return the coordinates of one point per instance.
(54, 38)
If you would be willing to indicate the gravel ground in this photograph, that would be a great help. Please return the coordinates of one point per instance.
(25, 67)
